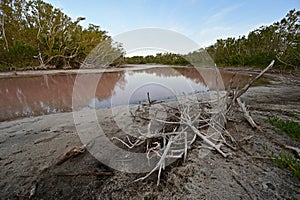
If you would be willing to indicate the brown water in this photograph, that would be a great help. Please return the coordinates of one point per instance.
(39, 95)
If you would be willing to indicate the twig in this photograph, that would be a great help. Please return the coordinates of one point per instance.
(247, 115)
(294, 149)
(246, 87)
(109, 173)
(246, 138)
(261, 157)
(285, 63)
(148, 96)
(71, 153)
(160, 165)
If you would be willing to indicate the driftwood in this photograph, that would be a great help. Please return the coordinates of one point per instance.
(247, 114)
(71, 153)
(87, 174)
(295, 150)
(237, 94)
(195, 117)
(247, 86)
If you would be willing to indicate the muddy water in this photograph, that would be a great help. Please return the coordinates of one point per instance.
(39, 95)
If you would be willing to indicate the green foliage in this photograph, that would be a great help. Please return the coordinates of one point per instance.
(35, 33)
(289, 127)
(292, 113)
(165, 59)
(287, 161)
(279, 41)
(196, 58)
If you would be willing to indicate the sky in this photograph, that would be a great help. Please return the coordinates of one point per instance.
(202, 21)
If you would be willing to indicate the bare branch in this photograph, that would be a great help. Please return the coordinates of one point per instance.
(247, 115)
(246, 87)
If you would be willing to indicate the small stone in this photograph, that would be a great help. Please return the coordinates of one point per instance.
(270, 186)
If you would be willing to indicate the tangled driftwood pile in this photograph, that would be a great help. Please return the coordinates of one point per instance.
(170, 129)
(192, 118)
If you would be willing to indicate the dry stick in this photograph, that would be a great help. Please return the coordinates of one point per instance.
(245, 139)
(71, 153)
(187, 121)
(285, 63)
(160, 165)
(295, 149)
(247, 115)
(207, 141)
(3, 34)
(148, 96)
(87, 174)
(244, 89)
(228, 92)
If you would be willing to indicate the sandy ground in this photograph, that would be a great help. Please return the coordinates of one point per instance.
(31, 147)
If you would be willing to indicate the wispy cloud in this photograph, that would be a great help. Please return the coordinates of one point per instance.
(222, 13)
(216, 29)
(209, 36)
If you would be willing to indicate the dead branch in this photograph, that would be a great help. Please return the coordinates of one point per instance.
(294, 149)
(285, 63)
(109, 173)
(148, 97)
(210, 143)
(195, 117)
(246, 139)
(161, 163)
(247, 115)
(246, 87)
(4, 34)
(71, 153)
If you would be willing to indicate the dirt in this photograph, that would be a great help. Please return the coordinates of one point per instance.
(31, 147)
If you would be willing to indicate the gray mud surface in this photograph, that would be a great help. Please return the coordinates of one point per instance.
(31, 147)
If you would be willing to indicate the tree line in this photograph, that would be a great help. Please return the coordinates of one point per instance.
(279, 41)
(34, 33)
(159, 58)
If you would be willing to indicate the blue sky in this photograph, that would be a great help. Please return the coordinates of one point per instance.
(201, 20)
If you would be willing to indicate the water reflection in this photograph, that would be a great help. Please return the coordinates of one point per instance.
(31, 96)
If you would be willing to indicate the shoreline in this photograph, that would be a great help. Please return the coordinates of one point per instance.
(31, 147)
(128, 66)
(30, 73)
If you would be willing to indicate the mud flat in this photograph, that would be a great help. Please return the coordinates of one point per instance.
(31, 147)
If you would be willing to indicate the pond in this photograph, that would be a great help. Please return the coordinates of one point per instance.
(52, 93)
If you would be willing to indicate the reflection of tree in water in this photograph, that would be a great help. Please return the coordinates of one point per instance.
(108, 82)
(202, 75)
(192, 74)
(208, 76)
(188, 72)
(31, 96)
